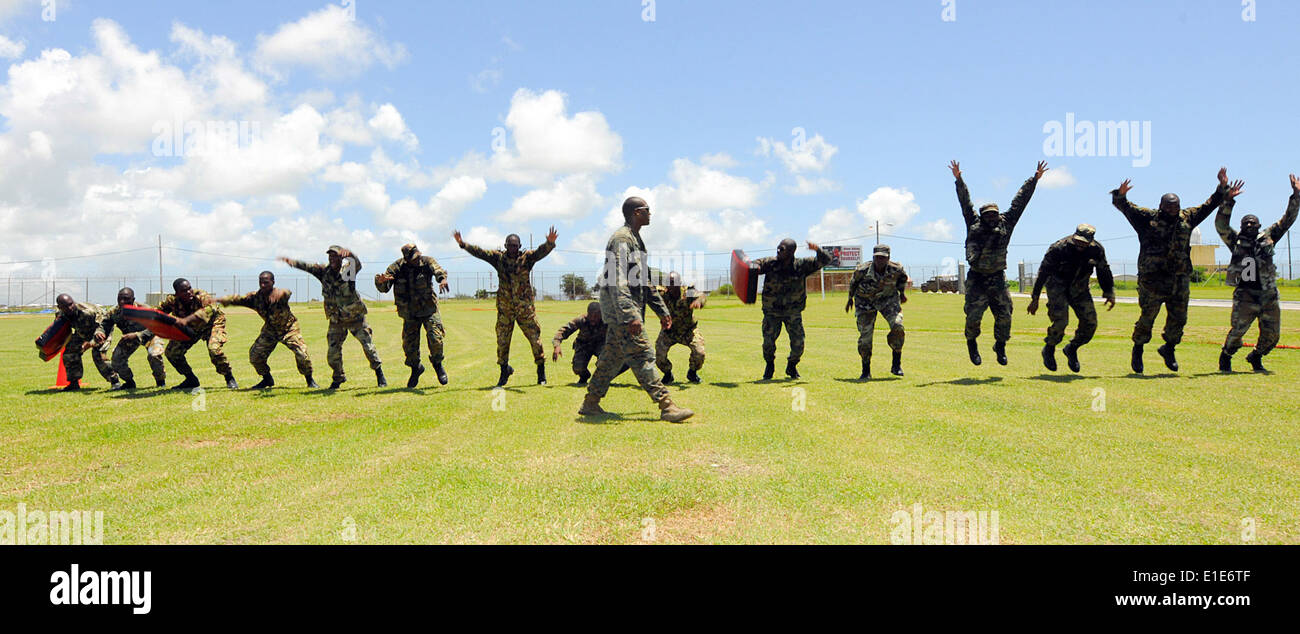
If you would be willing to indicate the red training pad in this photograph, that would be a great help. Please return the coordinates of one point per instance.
(51, 341)
(159, 323)
(744, 277)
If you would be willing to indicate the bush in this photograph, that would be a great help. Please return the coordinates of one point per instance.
(726, 289)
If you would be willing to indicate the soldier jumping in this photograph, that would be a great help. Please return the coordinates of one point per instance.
(280, 326)
(1066, 272)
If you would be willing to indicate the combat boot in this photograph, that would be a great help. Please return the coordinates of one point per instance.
(591, 407)
(583, 376)
(541, 373)
(122, 385)
(668, 377)
(1256, 361)
(1000, 349)
(671, 412)
(866, 368)
(442, 374)
(1049, 357)
(72, 386)
(1136, 362)
(769, 370)
(506, 371)
(414, 379)
(973, 349)
(791, 369)
(334, 385)
(311, 383)
(161, 382)
(380, 380)
(1225, 362)
(265, 383)
(230, 381)
(189, 383)
(897, 368)
(693, 376)
(1071, 352)
(1167, 352)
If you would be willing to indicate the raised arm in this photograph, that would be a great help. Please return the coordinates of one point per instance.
(1021, 201)
(1223, 219)
(963, 195)
(1279, 228)
(533, 256)
(808, 266)
(1136, 216)
(1197, 215)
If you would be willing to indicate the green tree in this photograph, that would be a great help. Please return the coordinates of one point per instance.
(573, 286)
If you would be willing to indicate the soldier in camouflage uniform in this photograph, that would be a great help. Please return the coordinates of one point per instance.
(682, 304)
(784, 297)
(1066, 272)
(344, 310)
(133, 337)
(879, 287)
(411, 279)
(625, 290)
(1253, 272)
(1164, 264)
(589, 343)
(987, 237)
(515, 297)
(280, 326)
(88, 333)
(196, 309)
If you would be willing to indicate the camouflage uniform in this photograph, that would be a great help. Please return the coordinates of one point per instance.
(1254, 274)
(87, 321)
(280, 326)
(625, 291)
(1066, 272)
(784, 296)
(515, 297)
(684, 329)
(589, 343)
(126, 347)
(346, 314)
(1164, 262)
(986, 252)
(878, 292)
(414, 292)
(210, 327)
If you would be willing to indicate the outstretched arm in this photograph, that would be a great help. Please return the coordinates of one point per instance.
(1223, 219)
(533, 256)
(963, 195)
(384, 281)
(1198, 215)
(1136, 216)
(1021, 201)
(1280, 227)
(476, 251)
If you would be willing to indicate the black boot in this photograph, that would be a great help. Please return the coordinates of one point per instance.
(1256, 361)
(1071, 352)
(791, 370)
(311, 383)
(189, 383)
(161, 382)
(72, 386)
(1049, 357)
(1000, 349)
(379, 378)
(693, 376)
(1225, 362)
(541, 373)
(668, 377)
(769, 370)
(506, 371)
(414, 379)
(334, 385)
(265, 383)
(897, 367)
(973, 349)
(1167, 352)
(583, 376)
(442, 374)
(230, 382)
(866, 368)
(1136, 362)
(123, 385)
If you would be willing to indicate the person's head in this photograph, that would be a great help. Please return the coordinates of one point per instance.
(880, 256)
(512, 245)
(1249, 226)
(125, 296)
(336, 260)
(989, 213)
(785, 250)
(183, 290)
(265, 281)
(593, 312)
(65, 302)
(1169, 204)
(410, 251)
(1083, 235)
(636, 212)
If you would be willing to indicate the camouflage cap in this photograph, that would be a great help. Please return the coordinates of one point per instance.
(881, 249)
(987, 207)
(409, 249)
(1083, 234)
(335, 249)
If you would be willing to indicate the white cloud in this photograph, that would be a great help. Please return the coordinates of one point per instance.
(389, 124)
(1057, 177)
(485, 80)
(10, 49)
(939, 229)
(568, 198)
(892, 208)
(802, 156)
(547, 142)
(329, 41)
(804, 185)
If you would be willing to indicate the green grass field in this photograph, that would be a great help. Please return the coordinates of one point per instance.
(1173, 458)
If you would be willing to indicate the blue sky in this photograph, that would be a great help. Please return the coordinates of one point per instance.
(743, 122)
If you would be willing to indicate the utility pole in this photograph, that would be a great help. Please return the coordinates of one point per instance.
(160, 273)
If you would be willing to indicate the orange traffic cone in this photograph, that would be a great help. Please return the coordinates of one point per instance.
(62, 380)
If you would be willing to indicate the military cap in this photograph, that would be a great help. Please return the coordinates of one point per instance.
(987, 207)
(881, 249)
(335, 249)
(1083, 234)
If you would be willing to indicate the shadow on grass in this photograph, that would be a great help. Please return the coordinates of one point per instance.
(1058, 378)
(150, 393)
(873, 379)
(966, 381)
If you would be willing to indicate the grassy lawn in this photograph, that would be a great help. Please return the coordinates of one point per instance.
(1172, 458)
